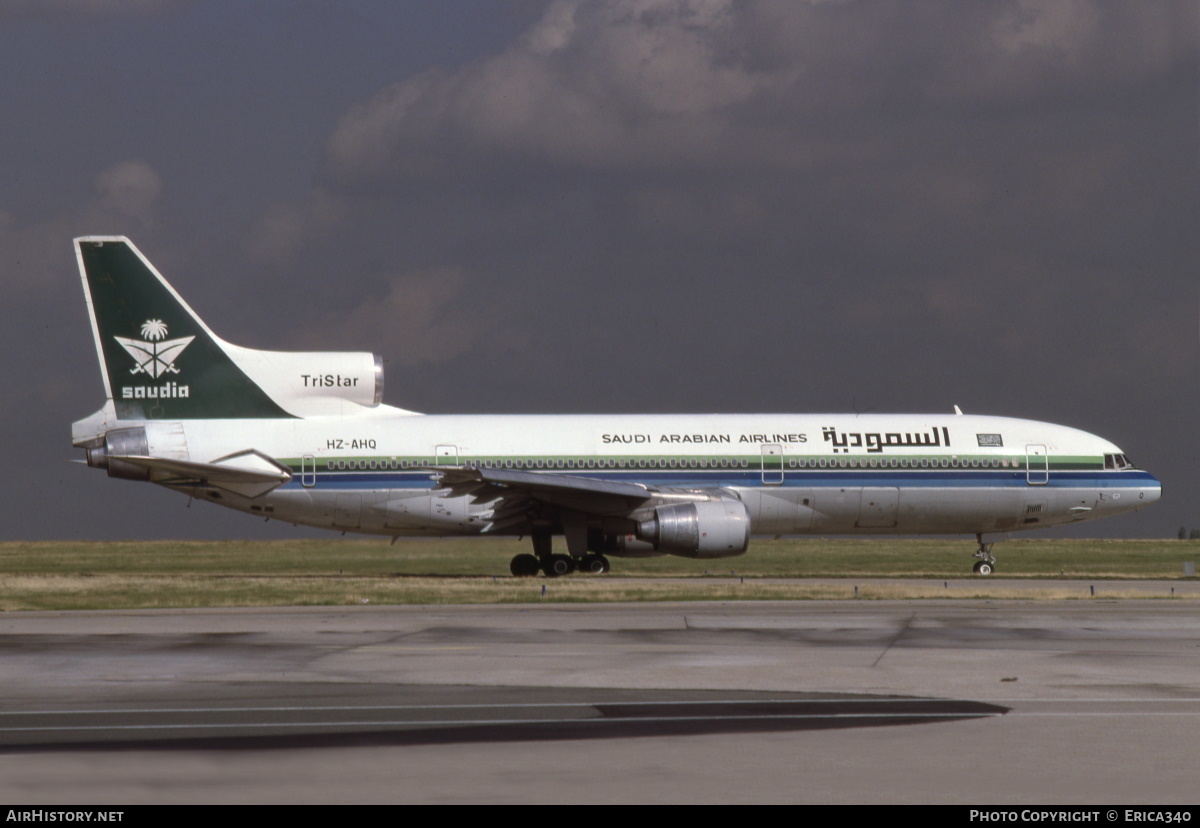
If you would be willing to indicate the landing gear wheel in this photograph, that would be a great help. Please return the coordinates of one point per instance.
(524, 566)
(558, 565)
(986, 563)
(594, 564)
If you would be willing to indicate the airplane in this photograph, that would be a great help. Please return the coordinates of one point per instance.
(305, 438)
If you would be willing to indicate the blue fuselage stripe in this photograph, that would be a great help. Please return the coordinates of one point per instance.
(805, 479)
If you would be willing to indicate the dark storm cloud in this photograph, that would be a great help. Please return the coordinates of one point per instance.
(777, 87)
(628, 205)
(81, 9)
(945, 160)
(123, 195)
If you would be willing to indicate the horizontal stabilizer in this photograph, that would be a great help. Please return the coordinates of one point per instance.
(248, 473)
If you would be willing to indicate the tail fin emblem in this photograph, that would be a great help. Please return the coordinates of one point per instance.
(157, 355)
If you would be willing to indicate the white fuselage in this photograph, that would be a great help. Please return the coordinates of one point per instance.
(796, 474)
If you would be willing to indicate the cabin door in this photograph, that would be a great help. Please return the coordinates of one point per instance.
(772, 464)
(1037, 465)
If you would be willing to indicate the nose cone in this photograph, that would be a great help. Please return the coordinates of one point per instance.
(1149, 491)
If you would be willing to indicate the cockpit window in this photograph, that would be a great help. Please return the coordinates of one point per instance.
(1117, 461)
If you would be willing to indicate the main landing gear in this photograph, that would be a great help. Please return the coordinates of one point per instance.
(524, 566)
(552, 565)
(986, 564)
(528, 566)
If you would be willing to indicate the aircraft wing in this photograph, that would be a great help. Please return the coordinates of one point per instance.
(512, 494)
(603, 496)
(468, 479)
(695, 522)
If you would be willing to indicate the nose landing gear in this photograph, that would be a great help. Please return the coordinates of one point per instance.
(986, 564)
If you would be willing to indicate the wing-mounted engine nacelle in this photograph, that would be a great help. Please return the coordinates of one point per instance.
(624, 546)
(707, 529)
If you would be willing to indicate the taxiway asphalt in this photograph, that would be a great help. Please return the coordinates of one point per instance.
(974, 702)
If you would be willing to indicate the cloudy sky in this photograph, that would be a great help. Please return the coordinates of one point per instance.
(620, 206)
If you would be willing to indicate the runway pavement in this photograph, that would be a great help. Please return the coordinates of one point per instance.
(988, 702)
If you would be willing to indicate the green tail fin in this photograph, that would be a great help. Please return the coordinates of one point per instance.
(159, 360)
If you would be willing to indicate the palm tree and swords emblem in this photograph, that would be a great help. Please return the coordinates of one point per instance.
(156, 355)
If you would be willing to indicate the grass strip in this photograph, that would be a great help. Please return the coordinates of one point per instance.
(52, 575)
